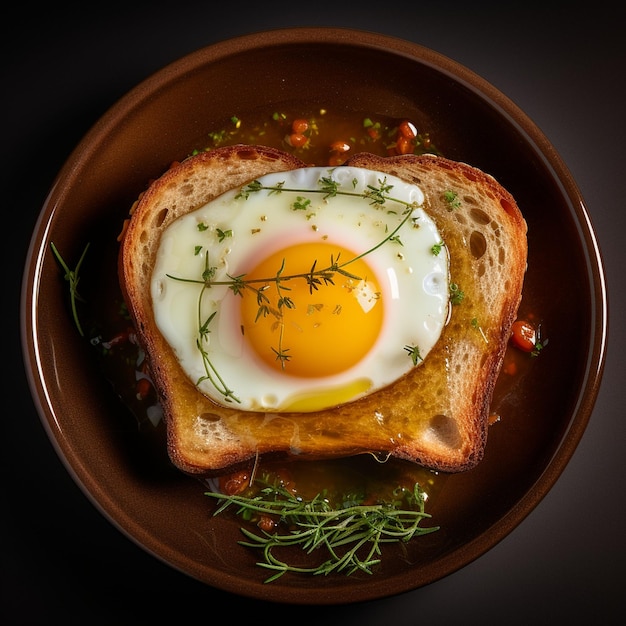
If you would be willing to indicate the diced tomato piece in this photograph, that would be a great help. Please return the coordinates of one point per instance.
(297, 140)
(404, 145)
(523, 335)
(300, 126)
(339, 146)
(143, 388)
(233, 484)
(407, 129)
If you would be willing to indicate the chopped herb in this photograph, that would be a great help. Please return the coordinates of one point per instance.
(478, 327)
(222, 234)
(300, 204)
(456, 295)
(414, 353)
(539, 346)
(437, 248)
(218, 137)
(452, 200)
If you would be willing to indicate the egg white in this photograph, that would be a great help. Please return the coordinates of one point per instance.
(237, 233)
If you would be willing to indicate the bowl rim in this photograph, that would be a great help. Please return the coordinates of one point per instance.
(392, 45)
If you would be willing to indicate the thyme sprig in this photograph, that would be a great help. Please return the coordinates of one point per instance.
(315, 278)
(73, 278)
(210, 372)
(350, 535)
(329, 188)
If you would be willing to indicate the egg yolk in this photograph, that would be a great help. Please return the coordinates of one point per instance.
(304, 318)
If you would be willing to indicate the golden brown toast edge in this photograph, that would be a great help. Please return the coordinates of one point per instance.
(229, 437)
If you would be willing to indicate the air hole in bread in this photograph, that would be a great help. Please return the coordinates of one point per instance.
(478, 244)
(507, 206)
(501, 255)
(209, 418)
(480, 217)
(469, 200)
(445, 430)
(186, 190)
(468, 175)
(160, 217)
(252, 155)
(208, 427)
(330, 434)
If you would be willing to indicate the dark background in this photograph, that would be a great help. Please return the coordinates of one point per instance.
(61, 561)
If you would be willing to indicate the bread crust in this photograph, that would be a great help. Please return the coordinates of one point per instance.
(437, 415)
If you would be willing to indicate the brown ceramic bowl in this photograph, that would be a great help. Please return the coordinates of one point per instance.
(124, 468)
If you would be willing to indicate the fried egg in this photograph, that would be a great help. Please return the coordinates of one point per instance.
(304, 290)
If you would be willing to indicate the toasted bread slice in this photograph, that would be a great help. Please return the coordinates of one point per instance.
(436, 415)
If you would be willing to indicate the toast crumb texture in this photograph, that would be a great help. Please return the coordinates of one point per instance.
(436, 415)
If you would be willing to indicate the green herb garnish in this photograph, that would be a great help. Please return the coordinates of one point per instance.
(456, 295)
(475, 324)
(452, 200)
(437, 248)
(350, 535)
(539, 346)
(222, 234)
(414, 353)
(73, 278)
(210, 373)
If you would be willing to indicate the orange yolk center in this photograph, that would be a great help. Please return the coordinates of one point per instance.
(311, 332)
